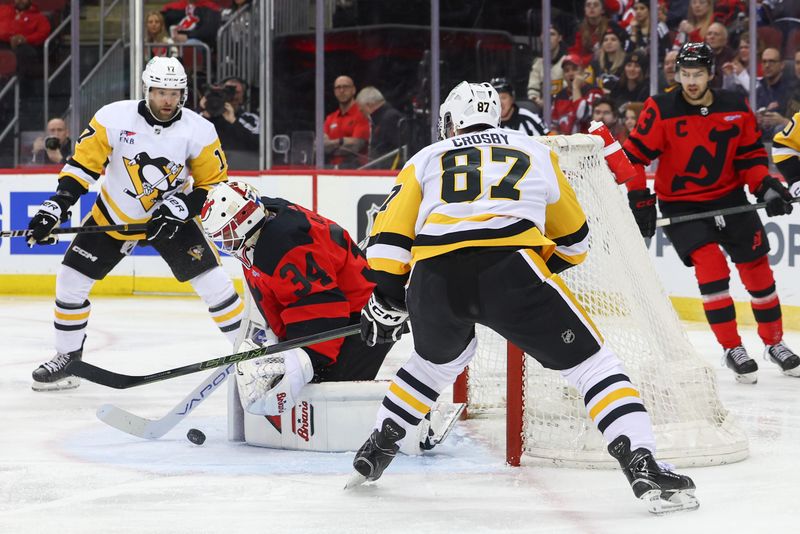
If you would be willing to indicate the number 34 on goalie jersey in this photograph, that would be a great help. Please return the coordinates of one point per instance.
(492, 188)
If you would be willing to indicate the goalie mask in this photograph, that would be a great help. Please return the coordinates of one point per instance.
(164, 73)
(469, 104)
(232, 217)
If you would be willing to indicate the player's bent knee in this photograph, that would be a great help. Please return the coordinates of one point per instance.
(72, 287)
(587, 373)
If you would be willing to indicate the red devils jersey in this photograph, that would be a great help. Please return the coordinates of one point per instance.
(307, 276)
(704, 153)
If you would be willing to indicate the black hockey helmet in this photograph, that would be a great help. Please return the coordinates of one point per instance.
(696, 55)
(502, 85)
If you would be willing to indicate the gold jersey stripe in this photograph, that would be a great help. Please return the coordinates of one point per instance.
(101, 220)
(529, 238)
(389, 266)
(75, 177)
(117, 211)
(409, 399)
(439, 218)
(611, 397)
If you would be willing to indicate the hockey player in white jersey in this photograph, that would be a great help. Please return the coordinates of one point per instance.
(487, 218)
(147, 150)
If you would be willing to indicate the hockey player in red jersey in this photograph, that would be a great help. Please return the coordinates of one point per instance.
(306, 276)
(708, 146)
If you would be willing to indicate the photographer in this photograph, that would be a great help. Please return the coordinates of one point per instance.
(223, 106)
(55, 147)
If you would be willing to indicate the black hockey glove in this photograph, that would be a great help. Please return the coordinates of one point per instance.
(382, 321)
(643, 205)
(52, 211)
(168, 218)
(777, 197)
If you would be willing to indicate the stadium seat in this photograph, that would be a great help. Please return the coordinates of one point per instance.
(771, 37)
(8, 63)
(792, 44)
(56, 6)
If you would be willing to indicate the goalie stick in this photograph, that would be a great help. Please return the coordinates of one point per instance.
(142, 427)
(666, 221)
(80, 230)
(111, 379)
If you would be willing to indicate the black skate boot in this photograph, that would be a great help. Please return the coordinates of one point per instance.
(376, 454)
(743, 366)
(51, 376)
(662, 490)
(783, 357)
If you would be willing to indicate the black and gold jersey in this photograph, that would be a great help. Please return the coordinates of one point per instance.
(144, 161)
(786, 150)
(494, 188)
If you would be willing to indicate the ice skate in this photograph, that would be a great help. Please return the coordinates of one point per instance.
(662, 490)
(376, 454)
(51, 376)
(742, 365)
(783, 357)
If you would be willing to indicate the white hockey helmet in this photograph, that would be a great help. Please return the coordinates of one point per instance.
(232, 216)
(469, 104)
(165, 73)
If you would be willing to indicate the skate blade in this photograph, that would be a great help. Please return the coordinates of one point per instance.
(356, 479)
(680, 501)
(748, 378)
(793, 372)
(70, 382)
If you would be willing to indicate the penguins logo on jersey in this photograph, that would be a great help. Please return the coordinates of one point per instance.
(151, 177)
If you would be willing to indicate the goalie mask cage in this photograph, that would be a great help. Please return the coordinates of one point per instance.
(546, 420)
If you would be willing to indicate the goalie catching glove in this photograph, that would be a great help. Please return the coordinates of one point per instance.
(271, 384)
(168, 218)
(54, 210)
(382, 321)
(777, 197)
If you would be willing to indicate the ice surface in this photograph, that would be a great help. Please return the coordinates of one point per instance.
(63, 471)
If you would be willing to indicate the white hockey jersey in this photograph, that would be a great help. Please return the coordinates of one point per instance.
(144, 161)
(494, 188)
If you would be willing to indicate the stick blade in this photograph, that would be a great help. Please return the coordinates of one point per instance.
(129, 423)
(101, 376)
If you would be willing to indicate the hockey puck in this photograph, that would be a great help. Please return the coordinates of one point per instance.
(195, 436)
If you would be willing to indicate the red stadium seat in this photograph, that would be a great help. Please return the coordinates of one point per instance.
(792, 43)
(8, 63)
(55, 6)
(771, 37)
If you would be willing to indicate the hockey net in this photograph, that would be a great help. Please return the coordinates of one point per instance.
(546, 420)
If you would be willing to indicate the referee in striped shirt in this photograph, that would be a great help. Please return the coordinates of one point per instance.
(514, 117)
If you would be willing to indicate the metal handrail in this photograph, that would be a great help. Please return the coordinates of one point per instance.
(14, 122)
(47, 78)
(245, 59)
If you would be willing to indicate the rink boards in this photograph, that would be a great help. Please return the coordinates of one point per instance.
(350, 198)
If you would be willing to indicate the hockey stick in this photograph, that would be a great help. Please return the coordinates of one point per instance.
(80, 230)
(120, 381)
(666, 221)
(142, 427)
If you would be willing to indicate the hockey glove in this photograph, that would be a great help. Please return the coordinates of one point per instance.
(382, 321)
(51, 212)
(643, 205)
(777, 197)
(168, 218)
(298, 372)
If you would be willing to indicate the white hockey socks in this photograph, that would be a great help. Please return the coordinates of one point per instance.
(72, 308)
(613, 403)
(226, 308)
(417, 386)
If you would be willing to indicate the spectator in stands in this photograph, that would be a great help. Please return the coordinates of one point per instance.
(157, 35)
(772, 94)
(667, 82)
(693, 29)
(385, 130)
(793, 104)
(193, 21)
(634, 84)
(606, 112)
(590, 31)
(606, 69)
(235, 8)
(735, 74)
(223, 105)
(512, 116)
(346, 131)
(717, 39)
(557, 51)
(630, 116)
(55, 147)
(24, 29)
(639, 28)
(572, 106)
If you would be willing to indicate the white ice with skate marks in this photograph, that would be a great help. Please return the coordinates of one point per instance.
(62, 470)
